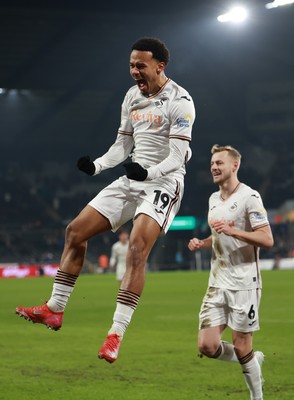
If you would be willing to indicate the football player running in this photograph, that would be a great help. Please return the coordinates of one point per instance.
(239, 227)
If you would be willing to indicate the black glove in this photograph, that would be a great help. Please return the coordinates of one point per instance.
(135, 171)
(86, 165)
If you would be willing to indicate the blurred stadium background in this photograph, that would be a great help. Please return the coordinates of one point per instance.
(63, 76)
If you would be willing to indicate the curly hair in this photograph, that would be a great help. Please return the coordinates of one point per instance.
(158, 49)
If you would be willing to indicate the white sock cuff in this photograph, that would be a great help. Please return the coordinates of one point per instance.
(123, 309)
(64, 288)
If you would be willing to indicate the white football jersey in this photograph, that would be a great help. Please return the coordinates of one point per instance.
(118, 256)
(152, 121)
(234, 263)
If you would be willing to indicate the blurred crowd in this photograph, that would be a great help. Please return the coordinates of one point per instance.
(37, 203)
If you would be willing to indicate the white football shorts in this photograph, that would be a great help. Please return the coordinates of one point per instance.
(238, 309)
(125, 198)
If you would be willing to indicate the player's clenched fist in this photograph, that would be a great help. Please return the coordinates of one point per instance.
(195, 244)
(221, 226)
(86, 165)
(136, 171)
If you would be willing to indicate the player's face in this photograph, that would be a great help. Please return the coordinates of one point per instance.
(222, 167)
(145, 70)
(124, 237)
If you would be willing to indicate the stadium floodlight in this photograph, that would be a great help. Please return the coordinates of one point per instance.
(278, 3)
(236, 14)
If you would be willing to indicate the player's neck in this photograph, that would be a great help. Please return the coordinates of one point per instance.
(163, 80)
(228, 188)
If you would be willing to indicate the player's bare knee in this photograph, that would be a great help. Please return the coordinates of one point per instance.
(208, 349)
(136, 255)
(72, 236)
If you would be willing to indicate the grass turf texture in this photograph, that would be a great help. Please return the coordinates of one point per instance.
(158, 357)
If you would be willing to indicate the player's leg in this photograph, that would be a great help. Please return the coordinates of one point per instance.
(209, 341)
(87, 224)
(213, 319)
(159, 203)
(244, 320)
(249, 362)
(143, 236)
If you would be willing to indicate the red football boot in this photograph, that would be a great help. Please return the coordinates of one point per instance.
(41, 315)
(110, 348)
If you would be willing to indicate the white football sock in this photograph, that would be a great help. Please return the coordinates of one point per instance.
(228, 353)
(121, 319)
(59, 297)
(252, 374)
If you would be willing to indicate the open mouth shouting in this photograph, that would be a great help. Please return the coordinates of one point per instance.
(142, 85)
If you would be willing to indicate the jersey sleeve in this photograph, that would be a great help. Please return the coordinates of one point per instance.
(180, 153)
(256, 211)
(121, 148)
(117, 153)
(182, 117)
(126, 127)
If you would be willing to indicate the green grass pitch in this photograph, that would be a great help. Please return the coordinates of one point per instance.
(158, 357)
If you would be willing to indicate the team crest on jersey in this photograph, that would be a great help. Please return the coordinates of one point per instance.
(158, 103)
(185, 121)
(233, 207)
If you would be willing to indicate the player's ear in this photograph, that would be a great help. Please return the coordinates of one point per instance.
(235, 166)
(160, 67)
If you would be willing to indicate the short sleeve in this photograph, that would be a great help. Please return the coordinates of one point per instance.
(256, 211)
(182, 118)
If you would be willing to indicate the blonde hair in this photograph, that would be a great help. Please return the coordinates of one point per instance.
(233, 152)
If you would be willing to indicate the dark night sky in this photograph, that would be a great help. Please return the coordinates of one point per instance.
(69, 64)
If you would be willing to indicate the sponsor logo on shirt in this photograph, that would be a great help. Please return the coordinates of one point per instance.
(259, 216)
(184, 122)
(145, 117)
